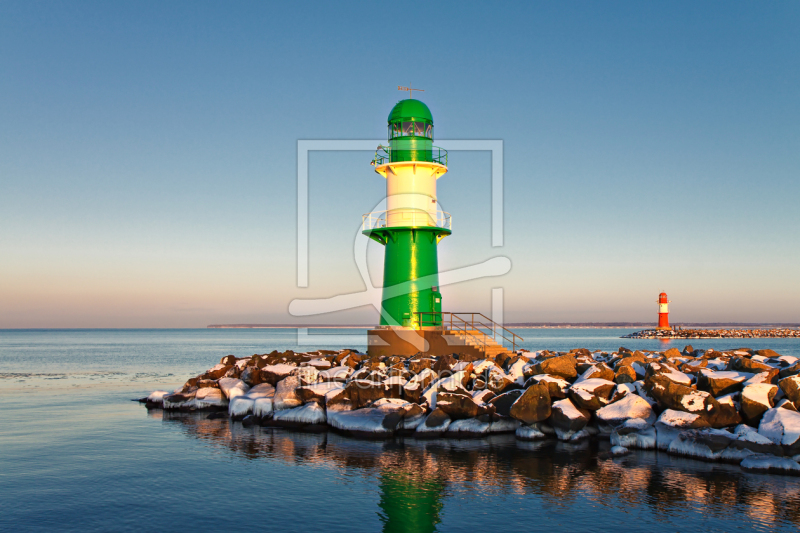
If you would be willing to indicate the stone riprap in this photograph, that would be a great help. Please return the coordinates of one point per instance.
(683, 333)
(736, 406)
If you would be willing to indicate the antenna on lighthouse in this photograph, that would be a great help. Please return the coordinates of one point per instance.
(410, 90)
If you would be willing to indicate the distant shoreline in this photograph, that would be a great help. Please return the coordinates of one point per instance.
(525, 325)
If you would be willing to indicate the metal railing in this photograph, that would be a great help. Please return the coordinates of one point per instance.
(484, 325)
(406, 217)
(383, 155)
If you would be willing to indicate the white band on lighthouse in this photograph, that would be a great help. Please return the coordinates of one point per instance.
(662, 308)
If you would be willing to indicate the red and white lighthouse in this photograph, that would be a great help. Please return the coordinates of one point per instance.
(663, 313)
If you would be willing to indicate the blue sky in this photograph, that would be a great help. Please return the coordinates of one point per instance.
(148, 155)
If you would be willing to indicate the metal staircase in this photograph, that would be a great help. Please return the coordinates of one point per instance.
(474, 330)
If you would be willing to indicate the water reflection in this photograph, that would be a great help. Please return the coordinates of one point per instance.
(417, 477)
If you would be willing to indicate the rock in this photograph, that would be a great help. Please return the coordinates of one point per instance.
(318, 391)
(251, 375)
(756, 400)
(394, 386)
(706, 443)
(619, 451)
(179, 400)
(672, 352)
(556, 387)
(567, 419)
(286, 393)
(435, 424)
(306, 374)
(272, 374)
(362, 392)
(748, 438)
(469, 427)
(670, 424)
(453, 383)
(745, 364)
(591, 394)
(534, 431)
(728, 414)
(444, 363)
(782, 426)
(720, 383)
(232, 387)
(249, 421)
(598, 371)
(240, 407)
(563, 366)
(418, 364)
(676, 376)
(496, 380)
(502, 403)
(156, 399)
(207, 383)
(458, 406)
(263, 408)
(625, 374)
(681, 398)
(412, 391)
(228, 360)
(630, 406)
(791, 388)
(533, 405)
(218, 371)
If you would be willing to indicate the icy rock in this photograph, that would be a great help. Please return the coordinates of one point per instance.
(504, 425)
(598, 371)
(591, 394)
(749, 439)
(516, 371)
(791, 388)
(567, 419)
(634, 433)
(306, 374)
(625, 374)
(362, 392)
(262, 407)
(532, 432)
(233, 387)
(496, 380)
(782, 426)
(619, 451)
(469, 427)
(240, 407)
(217, 372)
(369, 422)
(310, 414)
(435, 424)
(770, 464)
(680, 397)
(262, 390)
(706, 443)
(179, 400)
(319, 364)
(482, 396)
(630, 406)
(676, 376)
(286, 394)
(671, 423)
(337, 373)
(533, 405)
(756, 400)
(210, 398)
(272, 374)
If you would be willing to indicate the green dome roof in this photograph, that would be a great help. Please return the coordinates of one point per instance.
(410, 108)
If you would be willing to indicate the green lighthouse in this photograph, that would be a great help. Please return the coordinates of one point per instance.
(412, 226)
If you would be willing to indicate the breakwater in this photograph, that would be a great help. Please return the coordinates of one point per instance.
(736, 406)
(681, 333)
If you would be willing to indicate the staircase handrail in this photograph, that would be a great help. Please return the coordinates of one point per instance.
(492, 326)
(480, 342)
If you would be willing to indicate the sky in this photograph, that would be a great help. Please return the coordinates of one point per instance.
(148, 156)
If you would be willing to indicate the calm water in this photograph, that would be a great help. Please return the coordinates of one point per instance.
(77, 454)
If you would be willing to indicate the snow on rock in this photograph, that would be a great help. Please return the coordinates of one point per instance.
(156, 397)
(630, 406)
(317, 392)
(310, 414)
(504, 425)
(567, 419)
(782, 426)
(319, 364)
(337, 373)
(306, 374)
(770, 464)
(516, 372)
(210, 398)
(262, 390)
(452, 383)
(756, 400)
(274, 373)
(557, 387)
(232, 387)
(670, 424)
(418, 384)
(591, 394)
(286, 394)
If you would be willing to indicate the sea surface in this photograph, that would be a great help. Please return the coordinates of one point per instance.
(76, 454)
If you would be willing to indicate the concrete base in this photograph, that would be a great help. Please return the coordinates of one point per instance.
(408, 341)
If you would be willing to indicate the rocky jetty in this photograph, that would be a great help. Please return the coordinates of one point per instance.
(737, 406)
(682, 333)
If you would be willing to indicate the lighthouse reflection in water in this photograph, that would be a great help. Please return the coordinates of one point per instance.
(451, 484)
